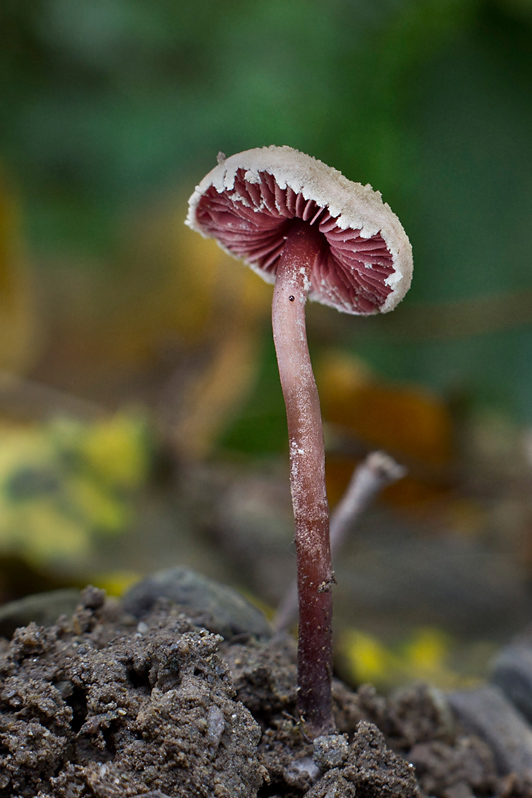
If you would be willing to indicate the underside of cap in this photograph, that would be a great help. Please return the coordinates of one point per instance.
(249, 201)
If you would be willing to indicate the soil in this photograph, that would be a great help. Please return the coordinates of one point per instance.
(104, 705)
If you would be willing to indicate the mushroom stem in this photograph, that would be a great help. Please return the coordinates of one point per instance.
(307, 478)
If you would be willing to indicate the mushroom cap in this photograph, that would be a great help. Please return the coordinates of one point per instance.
(249, 201)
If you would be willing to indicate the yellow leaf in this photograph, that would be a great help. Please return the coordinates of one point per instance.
(96, 507)
(368, 658)
(59, 488)
(117, 449)
(426, 652)
(51, 537)
(424, 655)
(115, 583)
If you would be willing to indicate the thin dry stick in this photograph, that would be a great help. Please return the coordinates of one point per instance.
(376, 472)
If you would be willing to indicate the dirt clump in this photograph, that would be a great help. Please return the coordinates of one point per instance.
(92, 707)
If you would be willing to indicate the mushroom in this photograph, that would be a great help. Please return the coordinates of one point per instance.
(304, 227)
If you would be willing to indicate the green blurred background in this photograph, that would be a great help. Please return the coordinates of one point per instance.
(122, 338)
(107, 104)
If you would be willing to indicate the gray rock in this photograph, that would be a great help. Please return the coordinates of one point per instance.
(42, 608)
(486, 712)
(218, 608)
(512, 673)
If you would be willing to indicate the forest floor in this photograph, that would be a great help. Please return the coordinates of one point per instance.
(108, 702)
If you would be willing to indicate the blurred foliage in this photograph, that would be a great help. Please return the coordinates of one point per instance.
(223, 308)
(174, 321)
(18, 345)
(410, 422)
(426, 655)
(107, 103)
(361, 412)
(65, 484)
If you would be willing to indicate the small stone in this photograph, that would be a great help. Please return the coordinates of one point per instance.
(42, 608)
(92, 598)
(302, 773)
(461, 790)
(331, 750)
(512, 673)
(218, 608)
(485, 711)
(216, 725)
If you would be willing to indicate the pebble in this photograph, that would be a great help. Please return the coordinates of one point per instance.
(42, 608)
(216, 725)
(330, 751)
(485, 711)
(512, 673)
(218, 608)
(301, 770)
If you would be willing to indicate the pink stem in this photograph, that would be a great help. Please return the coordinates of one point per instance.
(307, 478)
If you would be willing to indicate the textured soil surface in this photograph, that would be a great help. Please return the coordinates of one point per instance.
(105, 704)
